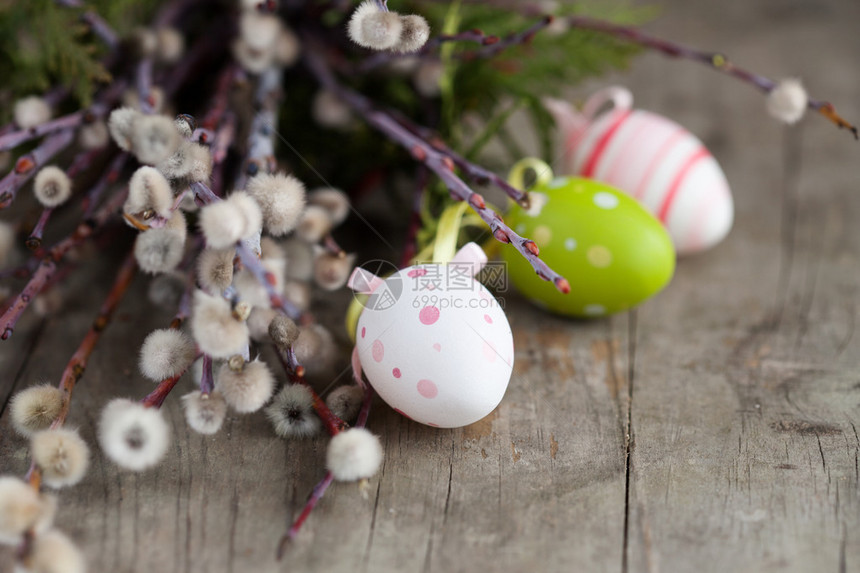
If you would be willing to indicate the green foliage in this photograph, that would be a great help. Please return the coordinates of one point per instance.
(43, 44)
(553, 61)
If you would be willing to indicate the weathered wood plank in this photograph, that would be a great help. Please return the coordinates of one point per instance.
(744, 454)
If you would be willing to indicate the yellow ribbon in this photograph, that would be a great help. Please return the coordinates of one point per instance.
(542, 171)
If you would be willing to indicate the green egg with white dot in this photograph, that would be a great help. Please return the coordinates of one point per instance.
(613, 252)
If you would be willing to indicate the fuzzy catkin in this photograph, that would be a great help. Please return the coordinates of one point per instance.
(62, 455)
(314, 224)
(414, 33)
(54, 552)
(332, 200)
(301, 259)
(154, 138)
(52, 186)
(121, 125)
(259, 321)
(354, 454)
(329, 111)
(283, 331)
(216, 330)
(34, 408)
(247, 390)
(224, 223)
(281, 199)
(93, 135)
(287, 48)
(148, 190)
(204, 413)
(21, 507)
(165, 353)
(31, 111)
(345, 402)
(259, 31)
(292, 414)
(315, 349)
(191, 161)
(332, 271)
(133, 436)
(160, 250)
(372, 28)
(787, 101)
(170, 45)
(215, 269)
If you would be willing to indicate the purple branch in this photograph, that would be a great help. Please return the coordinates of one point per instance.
(39, 280)
(110, 176)
(28, 164)
(101, 29)
(438, 162)
(381, 58)
(34, 241)
(16, 138)
(316, 495)
(516, 39)
(144, 85)
(475, 172)
(267, 279)
(204, 196)
(96, 23)
(261, 140)
(74, 120)
(207, 380)
(713, 60)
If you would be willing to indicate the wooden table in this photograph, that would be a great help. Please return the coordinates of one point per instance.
(713, 429)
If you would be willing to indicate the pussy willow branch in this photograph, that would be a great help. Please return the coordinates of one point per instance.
(515, 39)
(260, 157)
(379, 59)
(82, 160)
(99, 109)
(321, 487)
(438, 162)
(475, 172)
(76, 366)
(78, 363)
(296, 372)
(27, 165)
(204, 196)
(48, 265)
(96, 23)
(713, 60)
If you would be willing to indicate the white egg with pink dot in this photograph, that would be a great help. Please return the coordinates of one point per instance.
(434, 342)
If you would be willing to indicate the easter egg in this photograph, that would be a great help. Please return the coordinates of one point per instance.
(612, 251)
(655, 161)
(433, 342)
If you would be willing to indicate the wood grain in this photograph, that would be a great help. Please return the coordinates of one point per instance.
(714, 429)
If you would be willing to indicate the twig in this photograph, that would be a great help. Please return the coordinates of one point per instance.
(27, 165)
(78, 363)
(714, 60)
(99, 109)
(316, 495)
(515, 39)
(81, 161)
(381, 58)
(296, 372)
(438, 162)
(49, 262)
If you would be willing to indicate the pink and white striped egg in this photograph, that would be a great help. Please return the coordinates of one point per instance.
(653, 159)
(434, 342)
